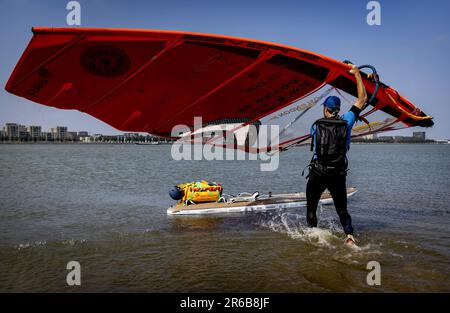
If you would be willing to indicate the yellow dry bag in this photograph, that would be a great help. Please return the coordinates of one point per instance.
(202, 191)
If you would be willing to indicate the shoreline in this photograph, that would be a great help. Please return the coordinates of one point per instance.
(399, 143)
(149, 144)
(82, 143)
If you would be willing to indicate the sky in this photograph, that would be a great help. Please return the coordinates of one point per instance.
(410, 48)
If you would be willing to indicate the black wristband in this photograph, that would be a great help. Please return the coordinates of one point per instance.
(355, 111)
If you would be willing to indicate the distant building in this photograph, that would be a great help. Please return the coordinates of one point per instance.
(12, 131)
(403, 138)
(23, 132)
(59, 133)
(131, 135)
(419, 135)
(46, 136)
(370, 136)
(17, 132)
(71, 136)
(85, 139)
(35, 132)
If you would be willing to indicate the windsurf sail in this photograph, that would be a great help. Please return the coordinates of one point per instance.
(153, 81)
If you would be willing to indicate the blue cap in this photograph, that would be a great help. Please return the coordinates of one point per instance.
(332, 103)
(175, 193)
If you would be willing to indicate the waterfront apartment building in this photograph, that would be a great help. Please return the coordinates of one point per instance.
(12, 131)
(35, 132)
(370, 137)
(59, 133)
(71, 136)
(131, 136)
(46, 136)
(23, 132)
(419, 135)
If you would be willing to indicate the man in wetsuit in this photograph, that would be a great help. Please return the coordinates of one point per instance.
(330, 143)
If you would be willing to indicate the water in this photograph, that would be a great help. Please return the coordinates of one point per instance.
(104, 206)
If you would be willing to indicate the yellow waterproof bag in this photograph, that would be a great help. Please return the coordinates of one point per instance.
(202, 191)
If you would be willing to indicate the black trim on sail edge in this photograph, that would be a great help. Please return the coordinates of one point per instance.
(314, 71)
(246, 52)
(347, 85)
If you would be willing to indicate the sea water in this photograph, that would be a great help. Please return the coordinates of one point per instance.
(104, 206)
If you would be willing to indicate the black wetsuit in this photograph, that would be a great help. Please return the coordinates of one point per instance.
(335, 183)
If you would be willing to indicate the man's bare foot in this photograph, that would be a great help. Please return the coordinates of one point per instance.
(350, 240)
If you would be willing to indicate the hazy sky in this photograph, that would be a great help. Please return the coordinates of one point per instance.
(410, 49)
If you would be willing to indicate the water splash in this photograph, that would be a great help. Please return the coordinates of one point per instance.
(22, 246)
(72, 242)
(328, 235)
(36, 244)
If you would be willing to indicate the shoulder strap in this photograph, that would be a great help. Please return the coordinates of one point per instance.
(313, 130)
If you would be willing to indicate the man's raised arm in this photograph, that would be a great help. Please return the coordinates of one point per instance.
(362, 95)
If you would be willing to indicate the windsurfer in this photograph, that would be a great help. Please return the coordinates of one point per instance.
(328, 169)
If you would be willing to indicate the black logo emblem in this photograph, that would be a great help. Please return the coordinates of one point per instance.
(107, 61)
